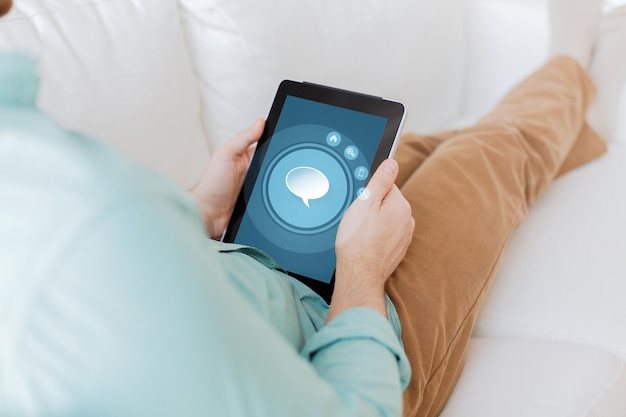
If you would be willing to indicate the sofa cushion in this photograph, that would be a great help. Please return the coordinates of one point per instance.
(117, 70)
(620, 130)
(564, 271)
(516, 378)
(401, 49)
(562, 274)
(508, 39)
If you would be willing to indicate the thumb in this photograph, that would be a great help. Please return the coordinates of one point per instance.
(383, 179)
(245, 138)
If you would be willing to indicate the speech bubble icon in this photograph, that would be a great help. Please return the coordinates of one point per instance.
(307, 183)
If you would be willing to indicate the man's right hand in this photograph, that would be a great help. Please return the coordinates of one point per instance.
(373, 238)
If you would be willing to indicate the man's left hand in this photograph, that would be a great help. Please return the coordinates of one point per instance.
(217, 191)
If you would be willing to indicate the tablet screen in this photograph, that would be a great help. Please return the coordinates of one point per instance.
(316, 162)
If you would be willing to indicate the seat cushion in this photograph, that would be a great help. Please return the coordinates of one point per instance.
(534, 378)
(563, 274)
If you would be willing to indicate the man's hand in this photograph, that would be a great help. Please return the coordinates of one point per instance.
(219, 187)
(373, 238)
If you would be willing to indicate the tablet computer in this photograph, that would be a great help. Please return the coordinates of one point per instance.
(317, 152)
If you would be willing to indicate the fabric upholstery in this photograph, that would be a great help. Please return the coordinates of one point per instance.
(117, 70)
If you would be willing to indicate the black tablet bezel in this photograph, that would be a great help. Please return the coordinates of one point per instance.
(393, 111)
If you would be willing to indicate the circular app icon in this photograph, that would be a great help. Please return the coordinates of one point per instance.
(351, 152)
(360, 173)
(333, 139)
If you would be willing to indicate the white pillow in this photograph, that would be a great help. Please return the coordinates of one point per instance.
(412, 51)
(117, 70)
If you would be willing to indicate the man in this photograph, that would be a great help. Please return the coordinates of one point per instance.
(114, 302)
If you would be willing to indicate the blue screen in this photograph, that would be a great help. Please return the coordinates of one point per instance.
(315, 165)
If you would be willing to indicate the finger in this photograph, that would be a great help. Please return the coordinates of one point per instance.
(383, 180)
(251, 150)
(242, 141)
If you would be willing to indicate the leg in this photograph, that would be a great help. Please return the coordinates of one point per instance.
(414, 149)
(467, 197)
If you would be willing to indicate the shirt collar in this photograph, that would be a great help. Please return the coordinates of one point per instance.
(19, 81)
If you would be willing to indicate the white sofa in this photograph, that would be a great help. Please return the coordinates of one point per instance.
(166, 81)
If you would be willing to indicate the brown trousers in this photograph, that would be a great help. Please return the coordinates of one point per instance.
(469, 189)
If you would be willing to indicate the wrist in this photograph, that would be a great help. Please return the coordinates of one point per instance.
(357, 294)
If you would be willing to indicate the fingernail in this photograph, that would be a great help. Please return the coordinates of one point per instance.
(390, 166)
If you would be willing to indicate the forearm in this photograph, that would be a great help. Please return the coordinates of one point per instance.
(354, 289)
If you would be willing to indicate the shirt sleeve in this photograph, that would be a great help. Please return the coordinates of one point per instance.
(136, 318)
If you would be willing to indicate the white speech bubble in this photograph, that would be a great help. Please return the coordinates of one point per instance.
(307, 183)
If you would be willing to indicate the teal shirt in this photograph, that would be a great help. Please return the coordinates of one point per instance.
(114, 303)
